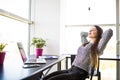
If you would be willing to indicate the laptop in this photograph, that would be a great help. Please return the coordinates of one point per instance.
(29, 60)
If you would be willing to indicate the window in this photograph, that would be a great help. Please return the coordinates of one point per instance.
(90, 12)
(12, 29)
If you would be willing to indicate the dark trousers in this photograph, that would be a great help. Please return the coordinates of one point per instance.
(73, 73)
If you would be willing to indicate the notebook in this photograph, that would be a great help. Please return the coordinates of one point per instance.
(30, 60)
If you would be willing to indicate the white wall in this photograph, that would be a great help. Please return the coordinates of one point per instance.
(46, 14)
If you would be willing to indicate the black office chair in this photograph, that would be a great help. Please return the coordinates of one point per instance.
(98, 73)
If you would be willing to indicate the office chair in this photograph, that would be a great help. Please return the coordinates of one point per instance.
(106, 36)
(98, 73)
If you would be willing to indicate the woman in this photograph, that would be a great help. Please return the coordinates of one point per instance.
(87, 55)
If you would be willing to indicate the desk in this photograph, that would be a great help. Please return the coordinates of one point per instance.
(13, 70)
(117, 58)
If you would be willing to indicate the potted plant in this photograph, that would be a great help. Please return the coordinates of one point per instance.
(2, 52)
(39, 43)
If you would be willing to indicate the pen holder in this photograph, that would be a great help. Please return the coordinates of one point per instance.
(38, 52)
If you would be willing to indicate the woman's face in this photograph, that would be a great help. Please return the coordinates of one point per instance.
(92, 33)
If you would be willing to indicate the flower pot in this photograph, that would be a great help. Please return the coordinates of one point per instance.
(2, 57)
(39, 52)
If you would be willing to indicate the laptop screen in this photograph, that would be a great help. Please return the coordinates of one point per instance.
(22, 52)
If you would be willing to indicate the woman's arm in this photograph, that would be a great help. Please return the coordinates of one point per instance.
(84, 37)
(104, 40)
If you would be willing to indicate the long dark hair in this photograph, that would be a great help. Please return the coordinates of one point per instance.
(94, 49)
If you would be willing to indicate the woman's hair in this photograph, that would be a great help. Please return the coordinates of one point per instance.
(94, 49)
